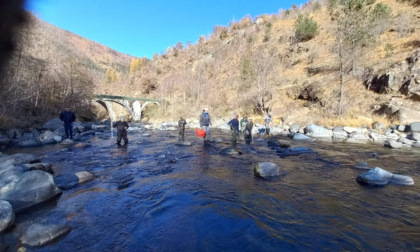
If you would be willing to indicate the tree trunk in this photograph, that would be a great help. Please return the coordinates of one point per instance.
(340, 107)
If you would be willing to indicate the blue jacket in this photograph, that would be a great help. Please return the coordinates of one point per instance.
(234, 123)
(205, 119)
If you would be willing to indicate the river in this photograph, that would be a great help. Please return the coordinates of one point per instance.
(156, 196)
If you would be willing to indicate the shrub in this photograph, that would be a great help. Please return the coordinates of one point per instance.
(306, 28)
(389, 50)
(317, 6)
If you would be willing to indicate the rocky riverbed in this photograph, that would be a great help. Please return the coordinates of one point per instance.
(159, 194)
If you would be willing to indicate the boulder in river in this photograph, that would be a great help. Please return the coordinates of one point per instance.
(20, 158)
(53, 124)
(32, 188)
(301, 137)
(230, 151)
(46, 167)
(375, 176)
(39, 235)
(66, 181)
(378, 176)
(84, 176)
(266, 169)
(183, 143)
(7, 216)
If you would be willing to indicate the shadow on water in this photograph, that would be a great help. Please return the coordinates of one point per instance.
(153, 195)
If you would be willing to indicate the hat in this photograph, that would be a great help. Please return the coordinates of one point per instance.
(206, 109)
(122, 117)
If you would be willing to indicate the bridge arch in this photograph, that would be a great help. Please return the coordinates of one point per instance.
(132, 104)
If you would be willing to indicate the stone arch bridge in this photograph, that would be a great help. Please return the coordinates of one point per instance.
(133, 105)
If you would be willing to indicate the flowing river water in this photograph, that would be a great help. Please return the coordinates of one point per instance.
(156, 196)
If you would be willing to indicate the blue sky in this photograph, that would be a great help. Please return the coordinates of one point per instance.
(142, 28)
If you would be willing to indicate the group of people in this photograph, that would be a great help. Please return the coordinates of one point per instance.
(243, 127)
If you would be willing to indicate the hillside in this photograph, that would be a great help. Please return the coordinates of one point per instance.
(50, 43)
(227, 71)
(250, 67)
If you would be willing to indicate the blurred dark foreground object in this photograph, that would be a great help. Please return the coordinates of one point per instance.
(12, 15)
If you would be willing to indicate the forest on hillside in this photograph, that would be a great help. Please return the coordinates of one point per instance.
(307, 63)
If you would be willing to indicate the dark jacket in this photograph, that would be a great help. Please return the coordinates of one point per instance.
(181, 123)
(205, 119)
(67, 116)
(249, 126)
(234, 123)
(121, 126)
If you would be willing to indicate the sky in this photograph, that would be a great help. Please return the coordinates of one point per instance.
(142, 28)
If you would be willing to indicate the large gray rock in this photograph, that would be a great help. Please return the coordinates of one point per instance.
(415, 136)
(20, 158)
(32, 188)
(47, 137)
(375, 176)
(84, 176)
(378, 176)
(67, 142)
(339, 132)
(402, 128)
(407, 116)
(39, 235)
(313, 130)
(183, 143)
(416, 145)
(377, 137)
(393, 144)
(405, 141)
(415, 127)
(230, 152)
(266, 169)
(301, 137)
(401, 180)
(392, 136)
(53, 124)
(46, 167)
(294, 128)
(9, 176)
(356, 137)
(7, 216)
(78, 127)
(350, 130)
(66, 181)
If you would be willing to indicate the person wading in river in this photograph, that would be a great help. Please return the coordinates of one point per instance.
(243, 123)
(234, 128)
(181, 124)
(248, 131)
(205, 123)
(68, 117)
(267, 120)
(122, 127)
